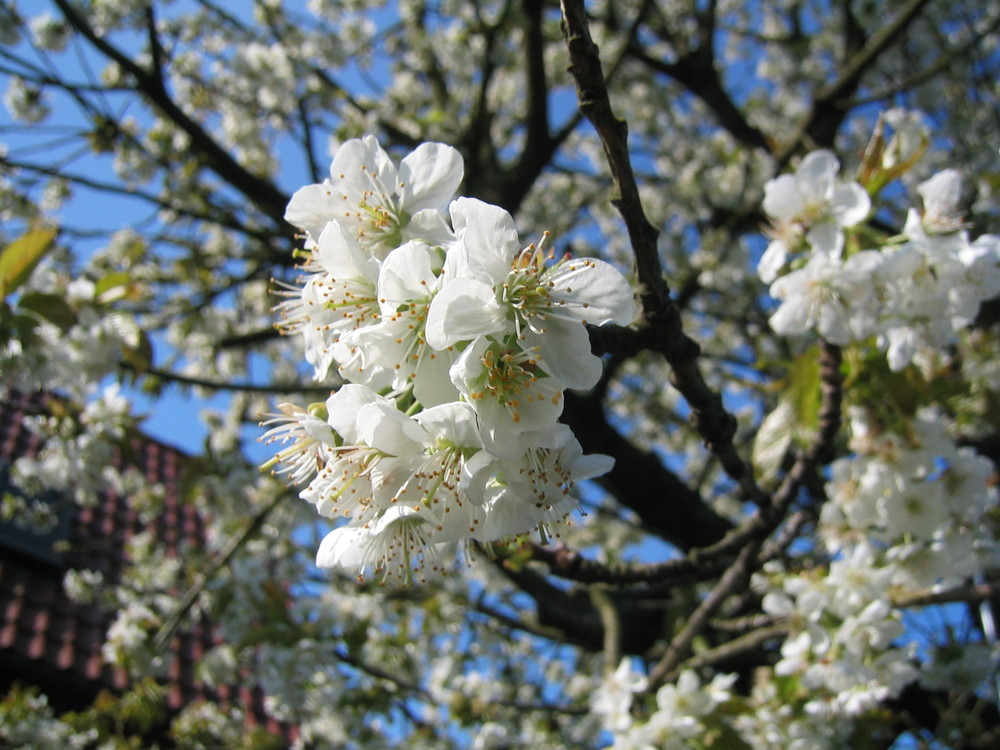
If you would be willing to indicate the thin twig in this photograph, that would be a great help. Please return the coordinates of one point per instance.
(219, 385)
(173, 621)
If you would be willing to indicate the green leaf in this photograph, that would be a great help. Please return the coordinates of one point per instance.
(774, 436)
(20, 257)
(52, 307)
(113, 287)
(139, 355)
(803, 388)
(794, 418)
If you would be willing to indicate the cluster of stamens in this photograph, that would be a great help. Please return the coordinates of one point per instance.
(376, 216)
(510, 376)
(534, 289)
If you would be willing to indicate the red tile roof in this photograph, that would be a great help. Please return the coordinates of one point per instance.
(51, 641)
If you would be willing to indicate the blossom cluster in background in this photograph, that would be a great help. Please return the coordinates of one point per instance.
(912, 293)
(455, 343)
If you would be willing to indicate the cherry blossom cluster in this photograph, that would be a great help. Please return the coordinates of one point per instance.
(906, 513)
(919, 499)
(912, 293)
(456, 344)
(681, 714)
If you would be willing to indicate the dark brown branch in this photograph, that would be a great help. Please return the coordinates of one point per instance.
(592, 94)
(745, 645)
(642, 614)
(571, 565)
(970, 594)
(716, 426)
(482, 169)
(155, 48)
(946, 59)
(735, 578)
(666, 506)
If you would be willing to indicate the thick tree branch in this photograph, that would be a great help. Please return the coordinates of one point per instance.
(640, 481)
(640, 612)
(571, 565)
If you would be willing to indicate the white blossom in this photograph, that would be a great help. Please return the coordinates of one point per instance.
(813, 206)
(492, 287)
(380, 205)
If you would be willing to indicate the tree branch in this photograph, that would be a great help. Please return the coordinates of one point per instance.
(830, 104)
(709, 417)
(261, 192)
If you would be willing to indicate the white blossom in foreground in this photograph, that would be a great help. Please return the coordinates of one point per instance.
(338, 295)
(836, 299)
(494, 287)
(457, 345)
(395, 348)
(382, 205)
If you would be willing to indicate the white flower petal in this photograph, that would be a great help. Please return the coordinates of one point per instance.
(792, 317)
(850, 203)
(453, 421)
(782, 199)
(461, 311)
(357, 161)
(406, 275)
(489, 235)
(381, 425)
(342, 257)
(772, 261)
(342, 409)
(592, 465)
(815, 176)
(343, 548)
(566, 351)
(311, 207)
(827, 238)
(429, 226)
(941, 193)
(429, 176)
(593, 291)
